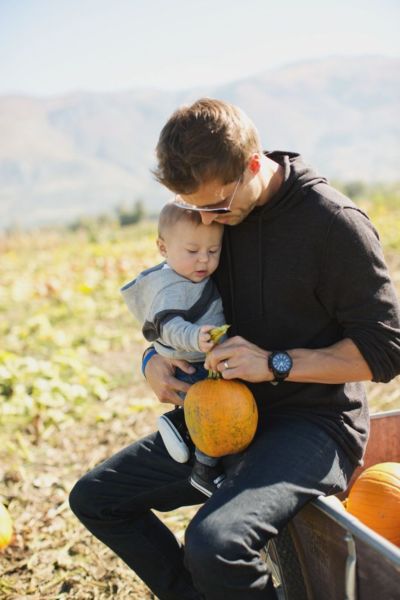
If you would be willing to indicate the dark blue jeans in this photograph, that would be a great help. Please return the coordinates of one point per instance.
(289, 463)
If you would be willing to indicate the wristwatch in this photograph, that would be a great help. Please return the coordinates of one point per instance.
(280, 363)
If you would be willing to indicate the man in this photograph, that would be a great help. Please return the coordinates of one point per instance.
(312, 312)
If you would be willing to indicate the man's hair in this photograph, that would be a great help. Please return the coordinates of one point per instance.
(209, 140)
(171, 214)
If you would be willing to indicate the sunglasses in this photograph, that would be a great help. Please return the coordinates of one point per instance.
(213, 208)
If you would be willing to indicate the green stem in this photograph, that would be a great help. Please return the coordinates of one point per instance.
(213, 374)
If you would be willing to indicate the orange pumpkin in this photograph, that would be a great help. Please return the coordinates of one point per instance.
(221, 416)
(375, 500)
(6, 528)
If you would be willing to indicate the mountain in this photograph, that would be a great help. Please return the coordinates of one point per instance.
(85, 153)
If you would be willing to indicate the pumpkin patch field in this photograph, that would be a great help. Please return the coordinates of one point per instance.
(71, 394)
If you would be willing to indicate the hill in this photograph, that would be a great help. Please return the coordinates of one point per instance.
(87, 152)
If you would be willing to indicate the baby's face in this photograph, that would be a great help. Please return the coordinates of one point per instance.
(192, 251)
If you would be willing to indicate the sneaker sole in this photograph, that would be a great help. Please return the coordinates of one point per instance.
(200, 488)
(204, 490)
(173, 441)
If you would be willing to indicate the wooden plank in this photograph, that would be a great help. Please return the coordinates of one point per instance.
(320, 538)
(383, 444)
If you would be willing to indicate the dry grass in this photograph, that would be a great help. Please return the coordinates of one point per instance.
(52, 556)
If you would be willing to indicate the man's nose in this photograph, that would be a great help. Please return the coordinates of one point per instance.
(207, 217)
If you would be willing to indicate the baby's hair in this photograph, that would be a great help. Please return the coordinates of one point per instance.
(171, 214)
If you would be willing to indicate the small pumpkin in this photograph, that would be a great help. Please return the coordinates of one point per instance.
(6, 528)
(221, 416)
(375, 500)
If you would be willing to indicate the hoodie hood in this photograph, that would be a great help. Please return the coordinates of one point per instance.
(139, 293)
(298, 176)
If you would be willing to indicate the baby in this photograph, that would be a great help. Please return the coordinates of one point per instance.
(178, 304)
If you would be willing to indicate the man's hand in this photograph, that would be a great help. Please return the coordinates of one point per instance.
(160, 376)
(238, 358)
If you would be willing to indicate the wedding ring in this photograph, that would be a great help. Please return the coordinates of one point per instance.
(226, 365)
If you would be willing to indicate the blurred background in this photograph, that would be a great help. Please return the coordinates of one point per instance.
(85, 87)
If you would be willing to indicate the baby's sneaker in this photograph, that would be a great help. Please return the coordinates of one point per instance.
(174, 433)
(206, 479)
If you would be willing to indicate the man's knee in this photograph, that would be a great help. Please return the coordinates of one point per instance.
(210, 547)
(82, 499)
(222, 560)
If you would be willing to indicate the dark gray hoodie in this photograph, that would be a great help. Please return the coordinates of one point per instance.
(305, 271)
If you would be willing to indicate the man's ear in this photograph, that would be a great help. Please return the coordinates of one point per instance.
(255, 163)
(161, 247)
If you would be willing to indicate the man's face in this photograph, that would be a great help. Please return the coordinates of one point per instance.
(246, 195)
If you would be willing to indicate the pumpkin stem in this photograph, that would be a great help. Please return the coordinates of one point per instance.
(213, 374)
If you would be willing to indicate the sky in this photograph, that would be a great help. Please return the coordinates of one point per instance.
(50, 47)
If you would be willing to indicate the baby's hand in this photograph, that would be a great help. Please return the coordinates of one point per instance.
(205, 341)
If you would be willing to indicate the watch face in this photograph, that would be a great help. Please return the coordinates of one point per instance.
(281, 362)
